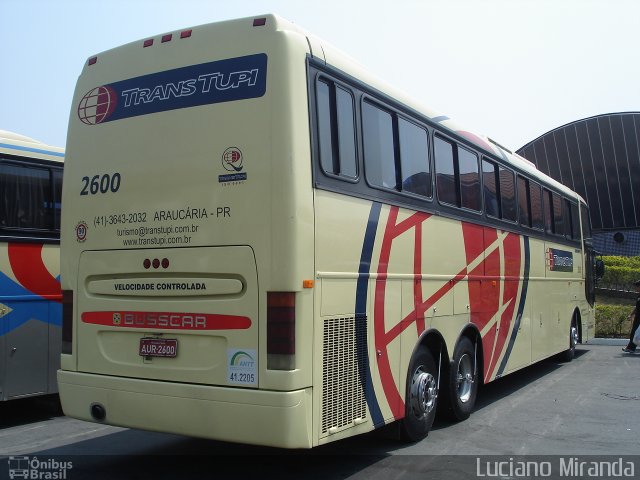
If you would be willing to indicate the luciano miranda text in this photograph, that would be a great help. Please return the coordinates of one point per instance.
(567, 467)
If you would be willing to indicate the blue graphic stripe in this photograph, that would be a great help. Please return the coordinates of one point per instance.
(32, 150)
(523, 299)
(25, 306)
(361, 311)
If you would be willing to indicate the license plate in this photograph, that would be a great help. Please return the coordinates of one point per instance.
(158, 347)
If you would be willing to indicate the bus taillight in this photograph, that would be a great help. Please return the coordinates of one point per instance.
(281, 330)
(67, 321)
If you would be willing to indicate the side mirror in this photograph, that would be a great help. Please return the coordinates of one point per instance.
(599, 269)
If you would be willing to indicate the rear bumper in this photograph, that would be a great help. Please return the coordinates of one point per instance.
(279, 419)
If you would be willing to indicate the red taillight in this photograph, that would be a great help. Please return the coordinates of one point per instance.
(281, 330)
(67, 321)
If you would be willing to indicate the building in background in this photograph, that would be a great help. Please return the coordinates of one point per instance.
(598, 157)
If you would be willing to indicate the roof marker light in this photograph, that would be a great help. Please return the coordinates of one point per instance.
(259, 22)
(167, 38)
(93, 60)
(185, 34)
(148, 43)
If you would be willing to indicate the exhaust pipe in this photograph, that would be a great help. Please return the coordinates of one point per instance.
(98, 412)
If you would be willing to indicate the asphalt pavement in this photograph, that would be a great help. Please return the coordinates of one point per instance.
(588, 408)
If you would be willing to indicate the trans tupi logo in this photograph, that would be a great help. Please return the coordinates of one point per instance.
(227, 80)
(97, 105)
(232, 159)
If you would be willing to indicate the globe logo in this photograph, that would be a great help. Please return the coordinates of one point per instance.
(232, 159)
(97, 105)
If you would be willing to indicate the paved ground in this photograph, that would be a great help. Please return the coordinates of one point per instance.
(590, 406)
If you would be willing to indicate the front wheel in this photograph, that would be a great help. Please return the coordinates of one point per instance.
(568, 355)
(421, 396)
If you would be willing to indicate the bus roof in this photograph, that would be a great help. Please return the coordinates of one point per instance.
(12, 143)
(331, 55)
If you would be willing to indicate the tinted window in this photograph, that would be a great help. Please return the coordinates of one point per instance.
(379, 154)
(535, 197)
(327, 155)
(27, 201)
(523, 202)
(445, 172)
(469, 179)
(508, 194)
(57, 197)
(575, 221)
(558, 217)
(414, 158)
(586, 221)
(346, 133)
(548, 212)
(491, 198)
(336, 131)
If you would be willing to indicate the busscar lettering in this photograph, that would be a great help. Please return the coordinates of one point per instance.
(173, 320)
(203, 85)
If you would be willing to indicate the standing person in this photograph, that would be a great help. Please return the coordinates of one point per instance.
(631, 347)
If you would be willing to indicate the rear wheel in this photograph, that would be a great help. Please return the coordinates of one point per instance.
(463, 382)
(421, 396)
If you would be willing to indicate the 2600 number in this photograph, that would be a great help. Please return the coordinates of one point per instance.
(100, 184)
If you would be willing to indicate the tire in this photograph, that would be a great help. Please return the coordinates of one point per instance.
(421, 397)
(568, 355)
(462, 385)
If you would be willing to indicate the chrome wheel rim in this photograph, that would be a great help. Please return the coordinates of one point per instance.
(423, 392)
(573, 337)
(464, 379)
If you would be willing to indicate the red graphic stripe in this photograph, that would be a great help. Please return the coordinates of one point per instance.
(167, 320)
(29, 269)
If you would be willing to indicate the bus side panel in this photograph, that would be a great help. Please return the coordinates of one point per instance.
(30, 316)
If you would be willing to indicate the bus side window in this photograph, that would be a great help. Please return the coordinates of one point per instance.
(27, 198)
(445, 171)
(523, 202)
(336, 129)
(535, 195)
(548, 212)
(379, 153)
(572, 212)
(414, 159)
(491, 184)
(469, 180)
(508, 194)
(57, 197)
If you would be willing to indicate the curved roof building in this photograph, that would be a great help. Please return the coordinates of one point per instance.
(598, 157)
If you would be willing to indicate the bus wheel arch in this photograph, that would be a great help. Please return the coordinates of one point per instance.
(428, 360)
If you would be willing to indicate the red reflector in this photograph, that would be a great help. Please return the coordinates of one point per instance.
(281, 323)
(185, 34)
(148, 43)
(93, 60)
(167, 38)
(259, 22)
